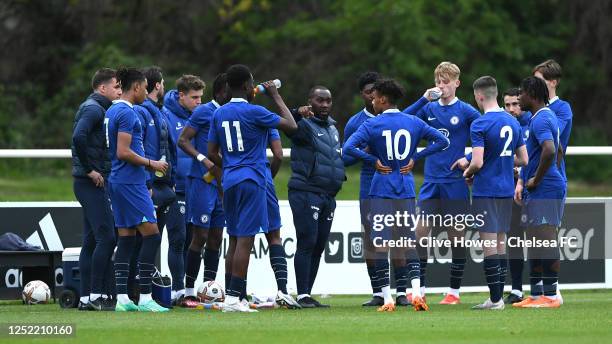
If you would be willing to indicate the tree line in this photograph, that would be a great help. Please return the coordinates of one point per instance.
(51, 49)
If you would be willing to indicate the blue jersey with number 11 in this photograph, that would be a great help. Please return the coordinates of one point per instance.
(241, 130)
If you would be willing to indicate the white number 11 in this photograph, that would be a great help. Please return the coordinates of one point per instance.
(228, 135)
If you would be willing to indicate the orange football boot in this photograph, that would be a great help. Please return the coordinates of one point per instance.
(526, 301)
(418, 303)
(544, 302)
(450, 299)
(389, 307)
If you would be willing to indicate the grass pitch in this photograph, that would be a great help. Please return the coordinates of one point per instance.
(586, 317)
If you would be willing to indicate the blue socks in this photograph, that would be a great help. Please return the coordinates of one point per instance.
(414, 270)
(382, 270)
(237, 286)
(146, 261)
(503, 271)
(516, 271)
(401, 280)
(535, 276)
(125, 245)
(211, 264)
(279, 266)
(550, 271)
(192, 267)
(228, 278)
(457, 266)
(372, 276)
(491, 268)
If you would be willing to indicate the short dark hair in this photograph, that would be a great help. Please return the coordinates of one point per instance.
(102, 76)
(366, 79)
(535, 88)
(313, 89)
(189, 82)
(237, 75)
(512, 92)
(487, 85)
(219, 83)
(550, 69)
(390, 89)
(128, 76)
(153, 75)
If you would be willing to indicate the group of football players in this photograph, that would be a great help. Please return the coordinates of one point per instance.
(197, 168)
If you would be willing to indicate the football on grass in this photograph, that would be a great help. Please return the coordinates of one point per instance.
(210, 292)
(36, 292)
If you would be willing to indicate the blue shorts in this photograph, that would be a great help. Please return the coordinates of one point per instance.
(383, 209)
(445, 198)
(274, 218)
(246, 209)
(204, 206)
(366, 214)
(544, 206)
(132, 205)
(496, 214)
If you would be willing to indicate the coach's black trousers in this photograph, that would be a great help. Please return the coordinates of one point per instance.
(98, 238)
(173, 218)
(313, 214)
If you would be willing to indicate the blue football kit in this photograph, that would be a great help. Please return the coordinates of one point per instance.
(130, 199)
(204, 206)
(544, 204)
(500, 135)
(241, 131)
(441, 183)
(393, 138)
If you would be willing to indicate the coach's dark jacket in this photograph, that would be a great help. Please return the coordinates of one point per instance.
(89, 150)
(316, 160)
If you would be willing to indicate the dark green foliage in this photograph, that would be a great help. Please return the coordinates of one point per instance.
(51, 49)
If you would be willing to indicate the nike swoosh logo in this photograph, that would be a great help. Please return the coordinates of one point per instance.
(319, 134)
(430, 118)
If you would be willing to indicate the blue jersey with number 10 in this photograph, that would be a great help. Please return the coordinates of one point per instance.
(500, 135)
(393, 138)
(241, 130)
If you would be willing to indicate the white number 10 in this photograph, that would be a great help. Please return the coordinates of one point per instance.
(393, 147)
(228, 135)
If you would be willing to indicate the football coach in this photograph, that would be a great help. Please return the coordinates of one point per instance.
(91, 166)
(317, 174)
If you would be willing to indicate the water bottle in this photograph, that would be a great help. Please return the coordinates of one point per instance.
(435, 94)
(160, 174)
(262, 90)
(208, 177)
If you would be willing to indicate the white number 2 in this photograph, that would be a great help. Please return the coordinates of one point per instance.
(393, 147)
(228, 135)
(506, 133)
